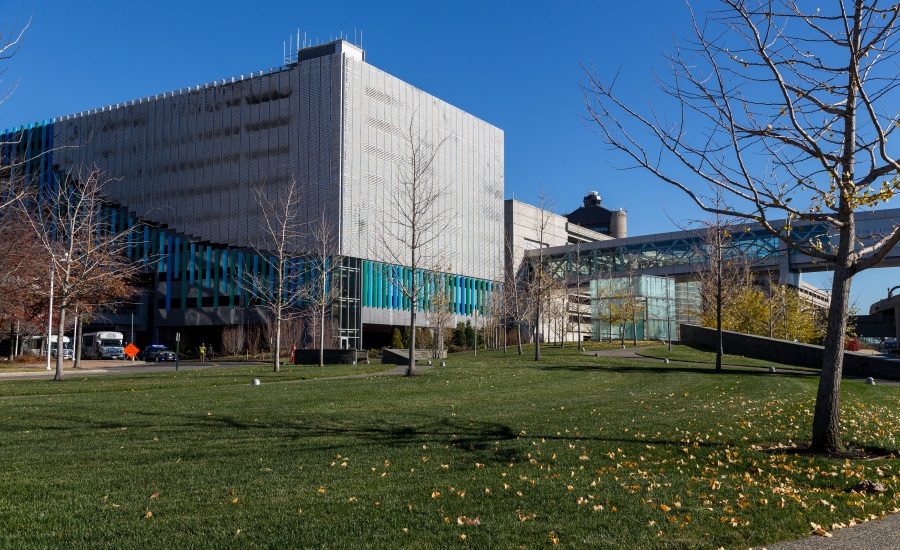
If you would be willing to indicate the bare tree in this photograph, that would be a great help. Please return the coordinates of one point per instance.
(412, 228)
(812, 93)
(87, 258)
(12, 187)
(256, 336)
(499, 308)
(539, 276)
(233, 339)
(439, 314)
(578, 282)
(515, 286)
(319, 291)
(282, 228)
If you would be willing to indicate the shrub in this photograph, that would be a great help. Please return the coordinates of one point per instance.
(397, 339)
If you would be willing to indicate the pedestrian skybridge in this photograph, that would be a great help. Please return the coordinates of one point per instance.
(681, 253)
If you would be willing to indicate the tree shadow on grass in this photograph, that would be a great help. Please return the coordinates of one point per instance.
(487, 442)
(482, 438)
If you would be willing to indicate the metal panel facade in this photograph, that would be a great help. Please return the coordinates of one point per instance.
(189, 160)
(378, 111)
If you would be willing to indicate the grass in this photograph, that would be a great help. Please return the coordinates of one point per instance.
(500, 452)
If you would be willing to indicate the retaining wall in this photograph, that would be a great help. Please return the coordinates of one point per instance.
(789, 353)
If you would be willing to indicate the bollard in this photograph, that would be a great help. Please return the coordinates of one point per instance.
(255, 382)
(443, 363)
(667, 360)
(771, 370)
(870, 381)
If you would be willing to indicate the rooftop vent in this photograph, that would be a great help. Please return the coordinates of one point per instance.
(592, 199)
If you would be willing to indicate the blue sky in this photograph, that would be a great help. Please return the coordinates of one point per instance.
(515, 64)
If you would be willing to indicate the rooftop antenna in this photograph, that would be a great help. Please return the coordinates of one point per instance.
(283, 52)
(360, 39)
(298, 39)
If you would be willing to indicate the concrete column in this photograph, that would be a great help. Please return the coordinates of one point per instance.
(897, 323)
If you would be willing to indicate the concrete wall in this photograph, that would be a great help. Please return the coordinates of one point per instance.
(522, 226)
(790, 353)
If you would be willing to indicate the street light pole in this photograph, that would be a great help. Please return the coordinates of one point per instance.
(50, 313)
(132, 337)
(476, 332)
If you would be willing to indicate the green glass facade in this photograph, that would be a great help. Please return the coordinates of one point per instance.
(662, 304)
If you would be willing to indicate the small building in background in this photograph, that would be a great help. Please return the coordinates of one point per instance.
(644, 307)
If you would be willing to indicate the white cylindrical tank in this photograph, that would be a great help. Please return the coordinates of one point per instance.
(618, 227)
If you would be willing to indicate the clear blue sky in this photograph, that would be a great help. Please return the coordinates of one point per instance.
(515, 64)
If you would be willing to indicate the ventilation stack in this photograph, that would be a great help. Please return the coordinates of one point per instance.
(618, 226)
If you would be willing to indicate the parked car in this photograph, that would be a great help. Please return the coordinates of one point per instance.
(157, 353)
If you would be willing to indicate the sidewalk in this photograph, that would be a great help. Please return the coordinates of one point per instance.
(120, 368)
(95, 368)
(872, 535)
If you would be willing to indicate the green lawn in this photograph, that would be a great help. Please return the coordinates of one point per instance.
(501, 452)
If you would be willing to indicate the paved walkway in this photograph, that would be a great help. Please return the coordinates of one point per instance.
(100, 368)
(104, 368)
(635, 353)
(879, 534)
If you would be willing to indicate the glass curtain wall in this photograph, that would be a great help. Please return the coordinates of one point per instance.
(645, 307)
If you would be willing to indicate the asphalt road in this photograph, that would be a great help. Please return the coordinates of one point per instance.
(109, 367)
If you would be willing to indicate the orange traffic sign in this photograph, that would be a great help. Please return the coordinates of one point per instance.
(131, 350)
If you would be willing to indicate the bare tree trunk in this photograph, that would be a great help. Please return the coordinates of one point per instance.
(519, 338)
(633, 327)
(76, 337)
(719, 350)
(826, 420)
(537, 326)
(59, 344)
(322, 329)
(79, 326)
(411, 365)
(276, 353)
(12, 340)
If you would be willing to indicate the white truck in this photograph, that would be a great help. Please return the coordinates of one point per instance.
(103, 345)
